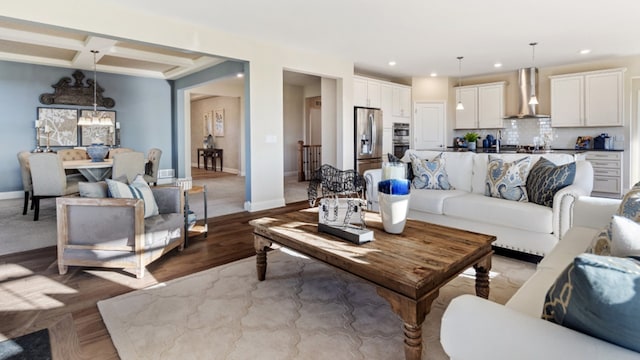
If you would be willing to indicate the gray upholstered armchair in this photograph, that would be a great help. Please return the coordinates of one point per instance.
(109, 232)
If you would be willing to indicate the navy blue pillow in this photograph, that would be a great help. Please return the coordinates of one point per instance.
(599, 296)
(545, 179)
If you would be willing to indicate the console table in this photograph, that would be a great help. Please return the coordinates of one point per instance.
(213, 154)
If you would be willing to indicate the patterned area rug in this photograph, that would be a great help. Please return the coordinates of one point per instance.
(303, 310)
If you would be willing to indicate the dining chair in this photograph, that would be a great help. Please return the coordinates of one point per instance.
(113, 152)
(49, 179)
(23, 159)
(129, 164)
(152, 166)
(73, 154)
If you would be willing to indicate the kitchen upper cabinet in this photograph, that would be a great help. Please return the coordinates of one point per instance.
(587, 99)
(366, 92)
(468, 117)
(402, 101)
(386, 105)
(483, 106)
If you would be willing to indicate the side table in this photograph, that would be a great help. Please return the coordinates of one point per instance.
(197, 229)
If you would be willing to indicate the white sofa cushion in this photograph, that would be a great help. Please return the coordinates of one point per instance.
(431, 201)
(521, 215)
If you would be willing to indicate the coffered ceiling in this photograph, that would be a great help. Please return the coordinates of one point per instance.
(34, 44)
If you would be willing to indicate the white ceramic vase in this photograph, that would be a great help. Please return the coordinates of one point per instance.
(393, 211)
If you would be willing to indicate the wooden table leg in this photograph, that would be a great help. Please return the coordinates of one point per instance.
(261, 245)
(412, 312)
(482, 276)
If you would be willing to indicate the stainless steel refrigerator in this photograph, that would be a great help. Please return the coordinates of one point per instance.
(368, 138)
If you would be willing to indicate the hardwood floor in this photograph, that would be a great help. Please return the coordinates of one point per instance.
(34, 296)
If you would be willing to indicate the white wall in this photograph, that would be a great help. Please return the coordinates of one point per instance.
(266, 63)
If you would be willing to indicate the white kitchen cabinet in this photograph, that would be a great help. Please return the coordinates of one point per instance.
(366, 92)
(387, 141)
(607, 173)
(402, 101)
(592, 98)
(483, 106)
(386, 105)
(491, 106)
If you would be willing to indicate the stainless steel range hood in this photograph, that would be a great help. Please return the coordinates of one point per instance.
(527, 85)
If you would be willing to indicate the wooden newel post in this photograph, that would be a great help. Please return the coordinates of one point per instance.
(300, 160)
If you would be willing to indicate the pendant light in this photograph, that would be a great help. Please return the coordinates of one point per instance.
(534, 99)
(94, 119)
(460, 106)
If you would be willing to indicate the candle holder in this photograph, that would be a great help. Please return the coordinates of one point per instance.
(38, 149)
(48, 149)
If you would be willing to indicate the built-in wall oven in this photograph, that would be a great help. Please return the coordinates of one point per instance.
(400, 139)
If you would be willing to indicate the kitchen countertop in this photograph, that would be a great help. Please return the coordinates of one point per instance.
(513, 150)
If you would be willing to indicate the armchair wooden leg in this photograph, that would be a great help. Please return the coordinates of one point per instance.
(62, 269)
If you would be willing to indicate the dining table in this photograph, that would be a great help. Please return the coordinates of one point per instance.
(93, 171)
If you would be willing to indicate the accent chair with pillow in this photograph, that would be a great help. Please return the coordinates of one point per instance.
(133, 228)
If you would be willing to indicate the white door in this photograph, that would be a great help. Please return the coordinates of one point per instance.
(429, 125)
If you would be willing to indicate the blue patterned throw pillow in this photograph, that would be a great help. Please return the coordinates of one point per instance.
(630, 205)
(546, 179)
(507, 180)
(429, 174)
(598, 296)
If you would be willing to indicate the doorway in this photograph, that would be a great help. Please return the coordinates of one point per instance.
(429, 125)
(302, 111)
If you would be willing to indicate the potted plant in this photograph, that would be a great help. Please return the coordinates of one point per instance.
(471, 138)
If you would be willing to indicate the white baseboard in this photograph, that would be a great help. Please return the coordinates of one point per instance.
(11, 195)
(263, 205)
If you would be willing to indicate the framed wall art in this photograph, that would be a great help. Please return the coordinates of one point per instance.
(98, 134)
(207, 123)
(59, 126)
(218, 122)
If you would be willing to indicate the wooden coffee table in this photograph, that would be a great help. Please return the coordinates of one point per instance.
(408, 269)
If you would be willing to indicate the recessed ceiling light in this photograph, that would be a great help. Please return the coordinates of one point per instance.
(585, 51)
(392, 63)
(240, 75)
(497, 65)
(433, 74)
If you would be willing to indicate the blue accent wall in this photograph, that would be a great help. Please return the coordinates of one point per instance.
(143, 109)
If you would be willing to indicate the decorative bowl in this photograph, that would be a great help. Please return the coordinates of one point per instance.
(97, 152)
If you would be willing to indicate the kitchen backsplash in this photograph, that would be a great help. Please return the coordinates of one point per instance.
(523, 132)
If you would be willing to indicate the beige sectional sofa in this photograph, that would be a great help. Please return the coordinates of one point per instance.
(521, 226)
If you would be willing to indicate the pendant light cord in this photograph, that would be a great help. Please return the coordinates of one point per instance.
(533, 53)
(95, 85)
(460, 70)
